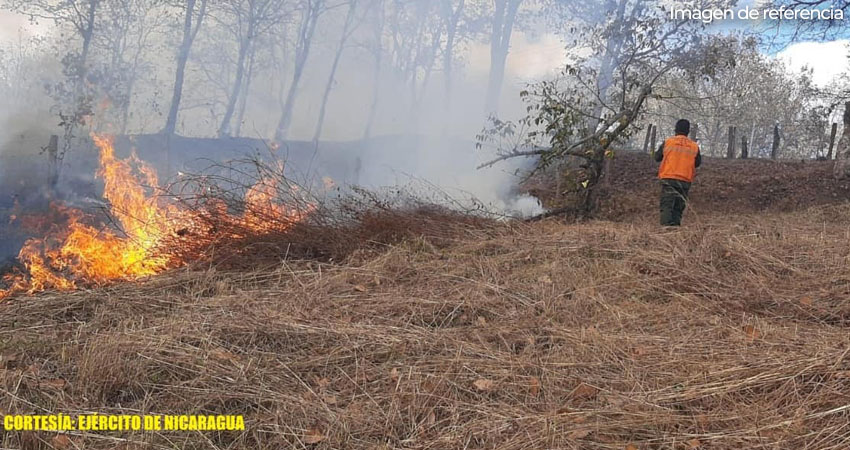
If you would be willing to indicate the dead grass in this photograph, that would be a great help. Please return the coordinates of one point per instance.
(728, 333)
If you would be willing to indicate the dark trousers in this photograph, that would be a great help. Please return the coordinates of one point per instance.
(674, 196)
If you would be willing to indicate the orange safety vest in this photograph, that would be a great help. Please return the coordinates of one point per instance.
(680, 155)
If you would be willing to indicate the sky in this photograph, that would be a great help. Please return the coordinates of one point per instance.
(827, 59)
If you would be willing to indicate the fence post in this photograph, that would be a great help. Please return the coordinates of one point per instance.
(774, 151)
(832, 139)
(730, 148)
(653, 138)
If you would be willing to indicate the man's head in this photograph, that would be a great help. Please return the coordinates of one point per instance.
(683, 127)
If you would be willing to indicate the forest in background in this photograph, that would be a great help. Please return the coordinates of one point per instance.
(346, 69)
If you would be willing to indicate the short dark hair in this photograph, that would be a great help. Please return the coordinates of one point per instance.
(683, 127)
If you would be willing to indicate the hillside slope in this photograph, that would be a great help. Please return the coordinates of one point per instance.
(728, 333)
(722, 187)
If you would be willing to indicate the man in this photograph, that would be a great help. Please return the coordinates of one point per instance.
(679, 157)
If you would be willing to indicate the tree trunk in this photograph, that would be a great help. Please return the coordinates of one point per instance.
(694, 129)
(236, 90)
(302, 51)
(346, 32)
(182, 58)
(453, 18)
(88, 33)
(610, 59)
(131, 84)
(416, 102)
(745, 151)
(246, 90)
(599, 152)
(752, 139)
(717, 131)
(286, 114)
(125, 108)
(376, 96)
(500, 42)
(79, 77)
(376, 80)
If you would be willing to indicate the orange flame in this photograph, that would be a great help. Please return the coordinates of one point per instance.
(81, 253)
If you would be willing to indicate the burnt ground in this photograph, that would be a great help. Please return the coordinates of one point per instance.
(722, 187)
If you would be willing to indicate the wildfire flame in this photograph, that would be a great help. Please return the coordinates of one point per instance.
(81, 253)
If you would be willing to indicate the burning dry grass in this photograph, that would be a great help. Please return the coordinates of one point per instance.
(729, 333)
(328, 229)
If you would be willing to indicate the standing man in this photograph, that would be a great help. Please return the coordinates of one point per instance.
(679, 157)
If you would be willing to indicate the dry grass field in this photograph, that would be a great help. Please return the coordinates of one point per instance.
(730, 332)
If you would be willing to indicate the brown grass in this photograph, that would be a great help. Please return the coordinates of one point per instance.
(722, 186)
(728, 333)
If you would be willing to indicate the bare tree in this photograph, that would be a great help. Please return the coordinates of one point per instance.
(501, 29)
(451, 15)
(751, 94)
(416, 36)
(250, 19)
(595, 100)
(126, 33)
(246, 90)
(72, 96)
(377, 49)
(81, 15)
(310, 11)
(818, 30)
(190, 31)
(348, 28)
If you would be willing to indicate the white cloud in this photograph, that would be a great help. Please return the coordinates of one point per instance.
(827, 59)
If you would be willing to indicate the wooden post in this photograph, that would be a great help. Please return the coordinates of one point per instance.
(832, 139)
(745, 152)
(774, 151)
(652, 139)
(842, 147)
(841, 168)
(646, 148)
(730, 148)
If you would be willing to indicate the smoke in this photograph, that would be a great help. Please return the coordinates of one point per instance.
(449, 165)
(423, 127)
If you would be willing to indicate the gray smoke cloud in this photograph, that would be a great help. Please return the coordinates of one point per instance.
(419, 132)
